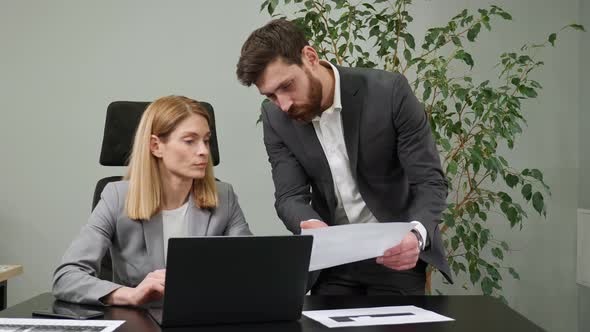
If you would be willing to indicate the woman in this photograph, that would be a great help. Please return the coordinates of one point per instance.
(169, 191)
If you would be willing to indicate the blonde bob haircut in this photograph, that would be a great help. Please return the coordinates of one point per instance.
(144, 197)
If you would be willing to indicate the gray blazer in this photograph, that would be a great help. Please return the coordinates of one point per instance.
(137, 246)
(392, 154)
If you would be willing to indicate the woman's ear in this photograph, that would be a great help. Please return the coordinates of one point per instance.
(156, 146)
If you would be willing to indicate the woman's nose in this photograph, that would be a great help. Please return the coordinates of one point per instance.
(203, 149)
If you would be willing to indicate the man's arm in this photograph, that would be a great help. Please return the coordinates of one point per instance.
(428, 188)
(419, 157)
(292, 188)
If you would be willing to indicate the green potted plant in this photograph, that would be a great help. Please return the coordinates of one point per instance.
(470, 120)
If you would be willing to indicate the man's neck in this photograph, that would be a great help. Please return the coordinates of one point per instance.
(327, 80)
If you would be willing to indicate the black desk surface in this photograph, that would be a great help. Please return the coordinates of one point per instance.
(471, 313)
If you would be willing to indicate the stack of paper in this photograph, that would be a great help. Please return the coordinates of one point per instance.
(375, 316)
(26, 324)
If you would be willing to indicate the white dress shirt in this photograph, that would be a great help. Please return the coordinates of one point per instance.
(174, 225)
(351, 208)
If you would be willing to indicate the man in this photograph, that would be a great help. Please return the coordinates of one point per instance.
(357, 145)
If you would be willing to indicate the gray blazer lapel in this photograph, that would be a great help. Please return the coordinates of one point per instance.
(198, 219)
(352, 107)
(153, 232)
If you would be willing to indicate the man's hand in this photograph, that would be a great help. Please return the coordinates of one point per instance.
(313, 223)
(150, 289)
(404, 256)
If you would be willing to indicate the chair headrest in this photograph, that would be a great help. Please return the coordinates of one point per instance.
(120, 126)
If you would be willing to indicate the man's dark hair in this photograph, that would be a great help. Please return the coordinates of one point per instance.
(277, 39)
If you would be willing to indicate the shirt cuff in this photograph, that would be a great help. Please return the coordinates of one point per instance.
(420, 228)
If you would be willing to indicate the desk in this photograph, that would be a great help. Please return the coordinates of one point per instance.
(471, 313)
(7, 272)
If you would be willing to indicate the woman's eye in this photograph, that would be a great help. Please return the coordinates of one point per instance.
(189, 141)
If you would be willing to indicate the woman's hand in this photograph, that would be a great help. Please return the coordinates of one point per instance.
(150, 289)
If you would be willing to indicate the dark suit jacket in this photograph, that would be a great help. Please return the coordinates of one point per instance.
(392, 153)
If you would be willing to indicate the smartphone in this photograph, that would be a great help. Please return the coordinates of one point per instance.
(67, 310)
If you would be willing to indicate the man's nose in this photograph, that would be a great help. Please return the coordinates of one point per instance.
(284, 103)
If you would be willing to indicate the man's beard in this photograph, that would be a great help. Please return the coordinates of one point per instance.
(308, 111)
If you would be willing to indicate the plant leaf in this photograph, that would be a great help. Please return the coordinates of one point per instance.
(538, 202)
(552, 38)
(577, 27)
(497, 252)
(514, 274)
(527, 191)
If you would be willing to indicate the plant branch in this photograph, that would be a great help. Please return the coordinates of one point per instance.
(322, 12)
(398, 27)
(448, 39)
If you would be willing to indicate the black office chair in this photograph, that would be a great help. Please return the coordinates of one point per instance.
(119, 130)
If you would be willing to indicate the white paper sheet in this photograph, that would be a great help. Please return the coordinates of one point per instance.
(336, 245)
(375, 316)
(37, 325)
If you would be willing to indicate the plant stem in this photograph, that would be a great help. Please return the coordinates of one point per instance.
(321, 10)
(398, 27)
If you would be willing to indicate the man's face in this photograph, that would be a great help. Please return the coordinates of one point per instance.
(293, 89)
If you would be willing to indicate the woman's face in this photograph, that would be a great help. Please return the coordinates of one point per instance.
(185, 152)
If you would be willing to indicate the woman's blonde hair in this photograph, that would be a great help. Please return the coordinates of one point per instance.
(144, 197)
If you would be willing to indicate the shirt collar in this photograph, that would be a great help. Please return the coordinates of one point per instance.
(336, 103)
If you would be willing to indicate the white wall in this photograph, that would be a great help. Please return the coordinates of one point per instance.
(62, 62)
(584, 123)
(545, 250)
(584, 151)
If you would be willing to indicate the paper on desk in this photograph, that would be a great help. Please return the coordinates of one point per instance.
(26, 324)
(336, 245)
(375, 316)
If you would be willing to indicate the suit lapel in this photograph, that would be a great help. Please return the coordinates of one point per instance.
(198, 219)
(352, 102)
(352, 107)
(310, 143)
(153, 232)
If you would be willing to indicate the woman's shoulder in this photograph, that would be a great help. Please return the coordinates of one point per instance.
(225, 192)
(119, 186)
(115, 191)
(223, 187)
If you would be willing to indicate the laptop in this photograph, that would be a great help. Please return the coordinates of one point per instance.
(227, 279)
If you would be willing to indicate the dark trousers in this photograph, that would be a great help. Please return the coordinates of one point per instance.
(369, 278)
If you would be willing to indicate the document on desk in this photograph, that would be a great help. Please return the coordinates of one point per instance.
(28, 324)
(337, 245)
(375, 316)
